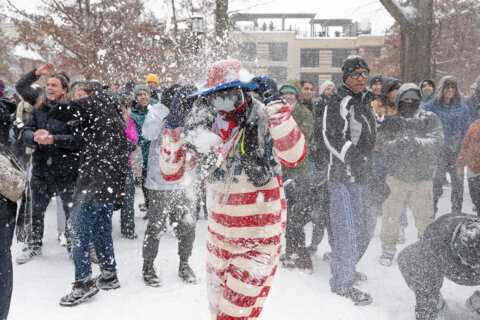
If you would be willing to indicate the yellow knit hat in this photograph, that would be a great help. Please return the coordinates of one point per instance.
(151, 77)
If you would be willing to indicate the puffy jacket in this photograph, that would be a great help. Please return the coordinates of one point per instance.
(470, 152)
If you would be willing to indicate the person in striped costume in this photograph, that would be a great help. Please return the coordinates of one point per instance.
(239, 146)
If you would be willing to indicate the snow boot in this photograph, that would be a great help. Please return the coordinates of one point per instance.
(107, 284)
(360, 298)
(387, 257)
(80, 292)
(28, 255)
(186, 273)
(149, 275)
(473, 304)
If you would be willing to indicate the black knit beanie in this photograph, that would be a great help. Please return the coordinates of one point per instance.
(351, 64)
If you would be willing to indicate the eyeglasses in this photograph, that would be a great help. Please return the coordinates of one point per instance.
(226, 100)
(356, 74)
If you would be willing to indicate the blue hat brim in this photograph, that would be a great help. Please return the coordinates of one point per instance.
(250, 86)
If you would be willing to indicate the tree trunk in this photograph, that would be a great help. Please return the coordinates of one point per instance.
(221, 28)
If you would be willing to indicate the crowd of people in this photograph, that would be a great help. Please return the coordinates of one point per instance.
(263, 160)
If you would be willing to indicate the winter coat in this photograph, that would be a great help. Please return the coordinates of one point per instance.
(105, 148)
(241, 214)
(139, 116)
(304, 119)
(411, 145)
(425, 98)
(59, 160)
(153, 131)
(470, 151)
(440, 257)
(473, 103)
(455, 119)
(348, 119)
(7, 107)
(132, 135)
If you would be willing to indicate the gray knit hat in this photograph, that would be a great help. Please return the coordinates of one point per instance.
(141, 88)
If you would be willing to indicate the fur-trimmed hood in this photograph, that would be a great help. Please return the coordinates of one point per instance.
(457, 97)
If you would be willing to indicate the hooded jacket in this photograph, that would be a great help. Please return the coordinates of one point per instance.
(304, 119)
(426, 98)
(411, 145)
(455, 117)
(380, 105)
(59, 160)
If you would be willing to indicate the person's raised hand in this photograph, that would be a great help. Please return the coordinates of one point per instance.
(45, 70)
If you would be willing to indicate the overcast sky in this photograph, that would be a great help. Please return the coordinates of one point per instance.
(363, 11)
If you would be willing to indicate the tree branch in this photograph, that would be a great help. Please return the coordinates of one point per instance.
(396, 12)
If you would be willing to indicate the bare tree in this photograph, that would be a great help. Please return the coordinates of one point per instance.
(416, 20)
(221, 26)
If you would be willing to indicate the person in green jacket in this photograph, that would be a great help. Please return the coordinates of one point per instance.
(297, 185)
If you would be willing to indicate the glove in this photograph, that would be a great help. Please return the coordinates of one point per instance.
(361, 167)
(277, 112)
(181, 107)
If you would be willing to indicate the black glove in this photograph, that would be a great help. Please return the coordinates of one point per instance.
(360, 166)
(181, 107)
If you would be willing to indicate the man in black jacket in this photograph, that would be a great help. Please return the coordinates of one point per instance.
(100, 189)
(349, 133)
(449, 248)
(55, 160)
(473, 103)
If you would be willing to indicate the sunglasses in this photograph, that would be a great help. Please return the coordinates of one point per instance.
(226, 100)
(356, 74)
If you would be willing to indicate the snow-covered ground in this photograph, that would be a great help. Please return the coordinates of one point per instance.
(38, 285)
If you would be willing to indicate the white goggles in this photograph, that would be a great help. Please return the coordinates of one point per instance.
(226, 100)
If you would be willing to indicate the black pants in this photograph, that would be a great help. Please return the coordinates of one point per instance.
(42, 191)
(175, 205)
(8, 210)
(474, 188)
(144, 189)
(305, 203)
(446, 163)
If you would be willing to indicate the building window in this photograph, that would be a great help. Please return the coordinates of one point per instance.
(247, 51)
(375, 51)
(277, 51)
(337, 78)
(338, 56)
(310, 77)
(309, 58)
(279, 74)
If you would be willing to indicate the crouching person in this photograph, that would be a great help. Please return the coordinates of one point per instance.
(100, 189)
(240, 145)
(449, 248)
(167, 198)
(411, 141)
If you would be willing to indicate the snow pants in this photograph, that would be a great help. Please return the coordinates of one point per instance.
(8, 210)
(92, 221)
(175, 205)
(42, 192)
(419, 197)
(353, 227)
(127, 213)
(239, 278)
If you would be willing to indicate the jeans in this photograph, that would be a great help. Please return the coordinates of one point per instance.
(127, 213)
(92, 221)
(175, 205)
(352, 227)
(8, 211)
(42, 191)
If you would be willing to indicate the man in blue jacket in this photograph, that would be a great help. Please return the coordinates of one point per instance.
(455, 118)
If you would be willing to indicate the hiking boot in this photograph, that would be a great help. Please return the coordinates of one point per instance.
(387, 257)
(28, 255)
(132, 236)
(360, 277)
(107, 284)
(80, 292)
(473, 304)
(360, 298)
(149, 275)
(401, 236)
(186, 273)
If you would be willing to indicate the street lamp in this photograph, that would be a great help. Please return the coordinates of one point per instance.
(197, 30)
